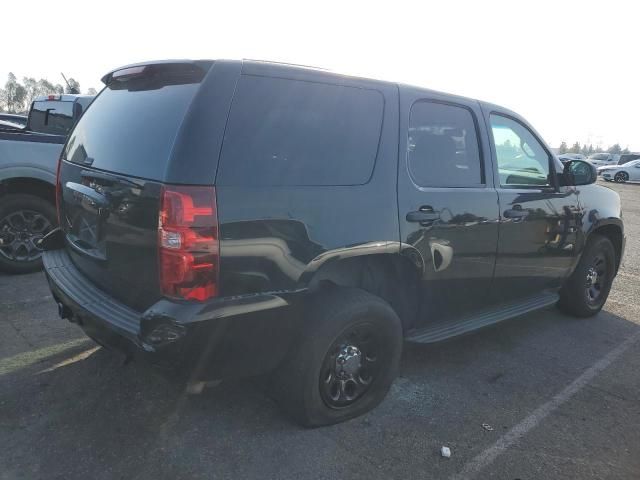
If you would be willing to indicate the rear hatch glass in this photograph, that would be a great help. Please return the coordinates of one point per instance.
(131, 126)
(110, 178)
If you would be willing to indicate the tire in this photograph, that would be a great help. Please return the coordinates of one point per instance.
(576, 296)
(307, 384)
(24, 219)
(621, 177)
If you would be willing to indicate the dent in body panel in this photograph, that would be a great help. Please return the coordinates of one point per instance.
(275, 238)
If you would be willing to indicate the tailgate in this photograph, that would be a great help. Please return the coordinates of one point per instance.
(114, 165)
(111, 226)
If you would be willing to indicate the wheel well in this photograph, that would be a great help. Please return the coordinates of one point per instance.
(390, 277)
(32, 186)
(614, 234)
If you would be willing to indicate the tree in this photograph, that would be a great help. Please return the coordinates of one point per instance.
(45, 87)
(92, 91)
(32, 89)
(563, 148)
(575, 148)
(615, 149)
(13, 95)
(584, 150)
(626, 150)
(73, 86)
(590, 150)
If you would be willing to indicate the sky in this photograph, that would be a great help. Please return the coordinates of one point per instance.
(572, 68)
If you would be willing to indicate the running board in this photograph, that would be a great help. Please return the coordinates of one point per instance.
(442, 331)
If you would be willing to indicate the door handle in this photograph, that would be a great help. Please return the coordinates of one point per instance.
(96, 197)
(425, 216)
(516, 212)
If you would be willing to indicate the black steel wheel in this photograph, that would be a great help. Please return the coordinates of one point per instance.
(344, 360)
(586, 291)
(24, 220)
(351, 366)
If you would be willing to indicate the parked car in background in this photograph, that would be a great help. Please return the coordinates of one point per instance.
(630, 171)
(603, 159)
(28, 160)
(282, 219)
(13, 118)
(628, 157)
(565, 157)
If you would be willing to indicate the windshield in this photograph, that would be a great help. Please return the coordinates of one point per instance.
(599, 156)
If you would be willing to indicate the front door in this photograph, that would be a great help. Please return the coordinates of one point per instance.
(539, 221)
(447, 206)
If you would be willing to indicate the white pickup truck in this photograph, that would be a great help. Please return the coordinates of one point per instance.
(28, 162)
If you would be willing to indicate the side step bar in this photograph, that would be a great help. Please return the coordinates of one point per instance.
(443, 331)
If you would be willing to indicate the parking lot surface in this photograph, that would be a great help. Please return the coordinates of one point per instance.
(558, 397)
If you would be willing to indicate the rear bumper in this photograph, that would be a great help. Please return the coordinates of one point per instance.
(225, 337)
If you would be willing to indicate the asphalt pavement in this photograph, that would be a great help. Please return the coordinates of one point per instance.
(544, 396)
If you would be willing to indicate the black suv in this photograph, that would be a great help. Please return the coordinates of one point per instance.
(228, 218)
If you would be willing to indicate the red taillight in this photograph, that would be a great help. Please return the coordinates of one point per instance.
(188, 243)
(58, 190)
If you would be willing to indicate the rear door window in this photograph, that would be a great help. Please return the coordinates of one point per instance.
(443, 146)
(291, 132)
(52, 117)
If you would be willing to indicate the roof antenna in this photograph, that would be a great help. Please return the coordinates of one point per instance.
(72, 90)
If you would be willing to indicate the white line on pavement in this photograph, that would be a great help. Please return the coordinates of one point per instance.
(486, 458)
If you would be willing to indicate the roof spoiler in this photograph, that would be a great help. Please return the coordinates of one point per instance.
(140, 68)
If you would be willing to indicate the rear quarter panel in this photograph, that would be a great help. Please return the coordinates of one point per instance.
(274, 238)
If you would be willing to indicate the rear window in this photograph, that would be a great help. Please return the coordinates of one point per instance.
(290, 132)
(52, 117)
(131, 126)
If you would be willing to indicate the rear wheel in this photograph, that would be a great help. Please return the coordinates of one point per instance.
(621, 177)
(24, 219)
(586, 291)
(344, 361)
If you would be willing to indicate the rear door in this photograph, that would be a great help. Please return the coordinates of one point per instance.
(448, 207)
(539, 221)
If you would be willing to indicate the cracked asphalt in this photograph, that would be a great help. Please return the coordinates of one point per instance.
(561, 396)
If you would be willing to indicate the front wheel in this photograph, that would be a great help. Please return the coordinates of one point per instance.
(344, 360)
(587, 289)
(621, 177)
(24, 220)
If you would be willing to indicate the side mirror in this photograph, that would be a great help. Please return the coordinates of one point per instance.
(578, 172)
